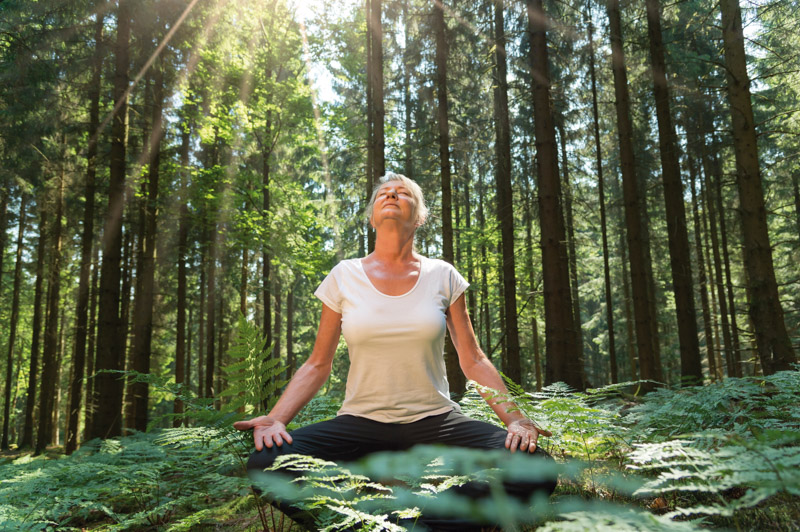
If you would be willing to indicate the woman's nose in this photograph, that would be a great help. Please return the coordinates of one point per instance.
(392, 193)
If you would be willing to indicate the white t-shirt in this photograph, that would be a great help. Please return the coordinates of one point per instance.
(396, 343)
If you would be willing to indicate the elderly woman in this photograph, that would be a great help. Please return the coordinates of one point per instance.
(392, 307)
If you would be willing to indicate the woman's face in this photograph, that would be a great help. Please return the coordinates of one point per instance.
(393, 202)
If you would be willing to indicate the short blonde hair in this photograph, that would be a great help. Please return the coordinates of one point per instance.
(420, 209)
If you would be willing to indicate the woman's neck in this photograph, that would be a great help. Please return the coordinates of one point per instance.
(393, 247)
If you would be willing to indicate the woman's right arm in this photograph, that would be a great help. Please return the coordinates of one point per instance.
(305, 383)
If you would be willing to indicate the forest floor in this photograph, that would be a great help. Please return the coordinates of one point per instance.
(725, 456)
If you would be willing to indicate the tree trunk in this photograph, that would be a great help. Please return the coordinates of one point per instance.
(726, 263)
(201, 329)
(678, 237)
(407, 64)
(143, 313)
(243, 281)
(721, 299)
(774, 347)
(701, 270)
(211, 309)
(612, 349)
(12, 333)
(571, 247)
(56, 440)
(472, 303)
(796, 191)
(82, 307)
(211, 305)
(90, 351)
(138, 258)
(50, 351)
(561, 349)
(486, 320)
(629, 320)
(291, 363)
(537, 363)
(376, 162)
(27, 432)
(512, 367)
(110, 335)
(189, 328)
(644, 319)
(455, 377)
(710, 265)
(181, 376)
(4, 194)
(276, 334)
(267, 259)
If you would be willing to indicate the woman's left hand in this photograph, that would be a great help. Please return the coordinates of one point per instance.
(524, 434)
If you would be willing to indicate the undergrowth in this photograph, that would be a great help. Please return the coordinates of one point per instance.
(721, 456)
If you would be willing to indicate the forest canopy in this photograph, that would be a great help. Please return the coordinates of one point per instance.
(619, 182)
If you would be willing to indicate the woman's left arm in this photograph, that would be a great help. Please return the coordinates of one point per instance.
(522, 432)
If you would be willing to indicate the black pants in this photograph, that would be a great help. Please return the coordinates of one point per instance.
(347, 438)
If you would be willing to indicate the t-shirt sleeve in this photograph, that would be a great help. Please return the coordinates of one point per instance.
(457, 284)
(329, 292)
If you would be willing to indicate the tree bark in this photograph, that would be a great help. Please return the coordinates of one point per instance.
(267, 259)
(774, 347)
(291, 362)
(678, 237)
(50, 351)
(376, 162)
(574, 287)
(796, 191)
(27, 432)
(211, 285)
(649, 368)
(629, 319)
(726, 263)
(90, 351)
(183, 238)
(701, 270)
(711, 208)
(201, 328)
(612, 350)
(407, 62)
(512, 366)
(12, 332)
(82, 307)
(532, 289)
(276, 334)
(110, 335)
(561, 349)
(455, 377)
(486, 321)
(143, 313)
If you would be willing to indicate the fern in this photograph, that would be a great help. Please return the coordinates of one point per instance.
(253, 376)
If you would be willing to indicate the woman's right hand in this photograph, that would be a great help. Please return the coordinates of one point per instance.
(266, 430)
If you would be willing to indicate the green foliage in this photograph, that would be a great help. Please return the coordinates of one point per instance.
(740, 470)
(124, 484)
(253, 375)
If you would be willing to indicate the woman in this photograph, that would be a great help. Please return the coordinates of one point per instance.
(392, 307)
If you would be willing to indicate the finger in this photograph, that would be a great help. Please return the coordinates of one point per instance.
(243, 425)
(257, 440)
(545, 432)
(509, 438)
(532, 444)
(287, 437)
(515, 443)
(278, 439)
